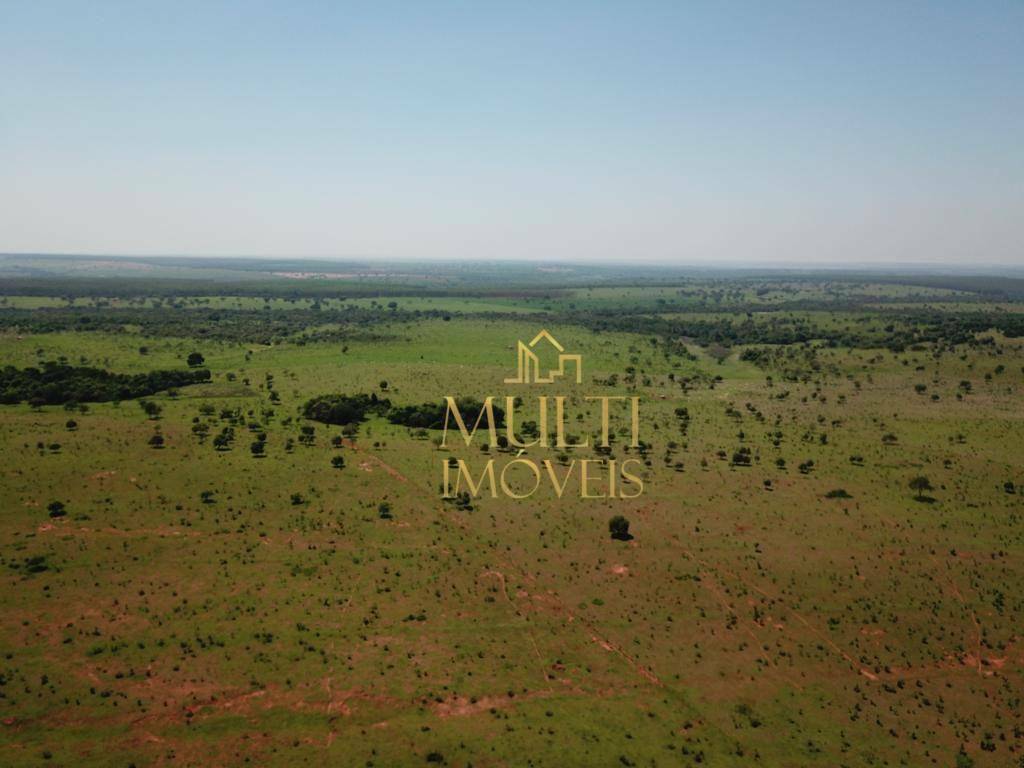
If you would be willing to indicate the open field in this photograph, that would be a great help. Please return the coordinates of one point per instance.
(786, 598)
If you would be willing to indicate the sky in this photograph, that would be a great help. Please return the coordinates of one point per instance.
(652, 132)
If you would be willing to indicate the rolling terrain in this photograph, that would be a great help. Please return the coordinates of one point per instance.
(824, 567)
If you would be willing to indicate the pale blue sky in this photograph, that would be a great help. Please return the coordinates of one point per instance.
(814, 132)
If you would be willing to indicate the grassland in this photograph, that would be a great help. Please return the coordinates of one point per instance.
(197, 606)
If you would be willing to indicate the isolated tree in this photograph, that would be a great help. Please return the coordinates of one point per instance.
(156, 441)
(71, 425)
(195, 360)
(963, 760)
(919, 485)
(258, 448)
(338, 462)
(618, 526)
(151, 409)
(384, 510)
(56, 509)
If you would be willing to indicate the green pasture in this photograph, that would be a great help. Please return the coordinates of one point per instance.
(198, 606)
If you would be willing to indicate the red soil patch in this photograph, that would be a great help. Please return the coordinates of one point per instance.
(461, 706)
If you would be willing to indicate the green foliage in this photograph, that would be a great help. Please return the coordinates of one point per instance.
(618, 527)
(344, 409)
(53, 384)
(431, 415)
(920, 485)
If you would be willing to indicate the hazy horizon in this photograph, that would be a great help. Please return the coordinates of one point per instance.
(800, 135)
(304, 263)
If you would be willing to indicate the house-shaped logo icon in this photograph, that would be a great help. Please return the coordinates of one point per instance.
(528, 366)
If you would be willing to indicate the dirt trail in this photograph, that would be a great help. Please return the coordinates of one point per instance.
(824, 638)
(529, 630)
(706, 577)
(376, 460)
(974, 616)
(597, 637)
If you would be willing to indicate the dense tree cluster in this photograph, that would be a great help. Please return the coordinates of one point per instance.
(53, 384)
(431, 415)
(344, 409)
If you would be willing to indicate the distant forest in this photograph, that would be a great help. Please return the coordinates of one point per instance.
(895, 329)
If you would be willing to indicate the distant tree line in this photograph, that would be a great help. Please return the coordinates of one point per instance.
(54, 384)
(251, 279)
(168, 288)
(248, 326)
(895, 329)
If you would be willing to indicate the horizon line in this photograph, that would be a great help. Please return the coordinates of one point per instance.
(719, 264)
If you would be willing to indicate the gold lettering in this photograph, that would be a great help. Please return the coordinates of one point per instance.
(536, 478)
(632, 478)
(585, 480)
(560, 426)
(559, 489)
(453, 410)
(474, 488)
(605, 421)
(510, 428)
(636, 421)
